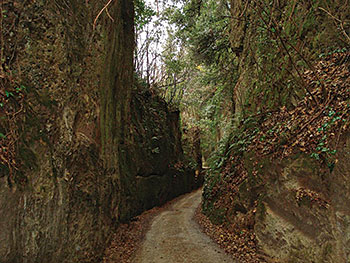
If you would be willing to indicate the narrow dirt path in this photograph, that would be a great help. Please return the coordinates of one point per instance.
(175, 238)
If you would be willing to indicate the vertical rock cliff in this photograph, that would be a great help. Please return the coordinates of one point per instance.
(70, 132)
(284, 178)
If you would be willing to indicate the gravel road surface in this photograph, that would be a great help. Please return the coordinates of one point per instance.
(175, 238)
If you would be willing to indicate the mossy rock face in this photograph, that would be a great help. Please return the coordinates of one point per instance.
(154, 168)
(263, 84)
(301, 212)
(302, 216)
(74, 74)
(91, 154)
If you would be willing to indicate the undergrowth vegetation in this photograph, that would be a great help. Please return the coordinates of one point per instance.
(289, 87)
(15, 109)
(284, 101)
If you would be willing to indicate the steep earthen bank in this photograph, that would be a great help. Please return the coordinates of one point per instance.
(77, 168)
(284, 172)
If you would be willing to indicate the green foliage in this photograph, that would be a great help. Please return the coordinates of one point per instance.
(198, 54)
(284, 41)
(323, 151)
(267, 49)
(143, 14)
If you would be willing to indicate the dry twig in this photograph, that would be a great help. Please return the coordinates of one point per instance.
(341, 23)
(101, 11)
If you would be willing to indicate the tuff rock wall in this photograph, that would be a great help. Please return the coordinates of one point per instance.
(74, 140)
